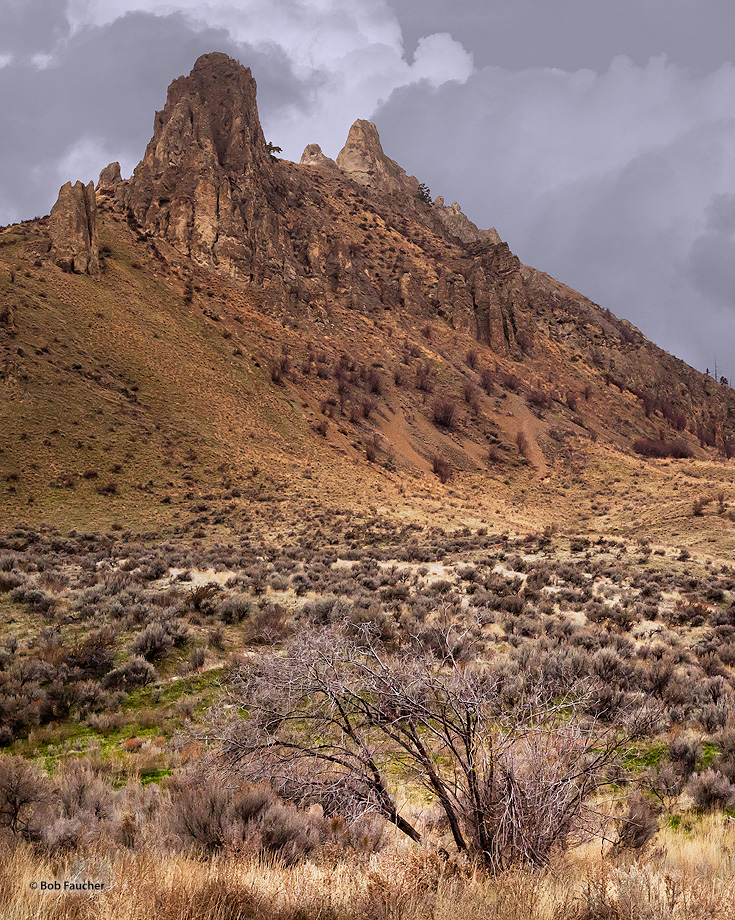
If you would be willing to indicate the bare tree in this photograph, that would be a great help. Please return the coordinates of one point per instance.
(333, 719)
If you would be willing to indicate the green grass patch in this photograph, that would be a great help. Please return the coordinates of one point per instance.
(640, 757)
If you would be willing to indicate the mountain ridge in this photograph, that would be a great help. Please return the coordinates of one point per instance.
(304, 315)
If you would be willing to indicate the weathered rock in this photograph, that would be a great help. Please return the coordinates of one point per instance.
(499, 296)
(206, 183)
(110, 178)
(458, 224)
(73, 229)
(362, 158)
(313, 156)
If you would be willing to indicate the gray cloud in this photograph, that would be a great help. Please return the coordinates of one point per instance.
(615, 174)
(603, 180)
(572, 34)
(711, 261)
(32, 26)
(96, 102)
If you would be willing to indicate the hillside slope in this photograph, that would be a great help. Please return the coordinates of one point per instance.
(265, 333)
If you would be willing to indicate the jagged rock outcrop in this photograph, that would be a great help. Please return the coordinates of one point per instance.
(363, 160)
(313, 156)
(501, 306)
(110, 178)
(206, 183)
(73, 229)
(458, 224)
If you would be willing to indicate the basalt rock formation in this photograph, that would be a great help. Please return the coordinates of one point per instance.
(458, 224)
(206, 183)
(303, 316)
(110, 178)
(208, 188)
(313, 156)
(363, 160)
(73, 230)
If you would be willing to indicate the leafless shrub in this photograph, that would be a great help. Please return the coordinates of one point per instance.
(711, 790)
(638, 825)
(280, 368)
(511, 774)
(522, 443)
(445, 412)
(679, 449)
(538, 400)
(425, 378)
(374, 381)
(699, 504)
(487, 380)
(369, 405)
(470, 394)
(494, 456)
(510, 382)
(441, 468)
(24, 790)
(666, 783)
(373, 447)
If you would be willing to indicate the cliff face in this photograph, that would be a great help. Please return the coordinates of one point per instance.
(206, 182)
(208, 187)
(73, 230)
(363, 160)
(302, 315)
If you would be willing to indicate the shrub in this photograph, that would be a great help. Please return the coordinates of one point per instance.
(655, 447)
(159, 635)
(373, 447)
(522, 443)
(374, 381)
(472, 358)
(537, 399)
(134, 673)
(445, 413)
(711, 790)
(23, 791)
(510, 382)
(234, 609)
(470, 394)
(487, 380)
(638, 826)
(441, 467)
(493, 456)
(425, 378)
(280, 368)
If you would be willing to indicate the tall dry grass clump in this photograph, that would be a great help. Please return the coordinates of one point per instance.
(685, 876)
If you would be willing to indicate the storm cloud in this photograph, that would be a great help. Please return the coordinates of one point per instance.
(599, 139)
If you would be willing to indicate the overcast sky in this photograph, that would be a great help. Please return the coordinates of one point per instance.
(597, 137)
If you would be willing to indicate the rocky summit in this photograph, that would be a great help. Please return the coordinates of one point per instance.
(73, 229)
(321, 315)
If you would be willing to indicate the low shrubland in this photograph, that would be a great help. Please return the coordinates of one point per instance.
(126, 670)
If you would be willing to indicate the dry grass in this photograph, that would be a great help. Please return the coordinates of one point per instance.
(685, 876)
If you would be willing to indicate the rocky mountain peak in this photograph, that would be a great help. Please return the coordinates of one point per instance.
(459, 225)
(73, 229)
(313, 156)
(204, 182)
(110, 178)
(363, 159)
